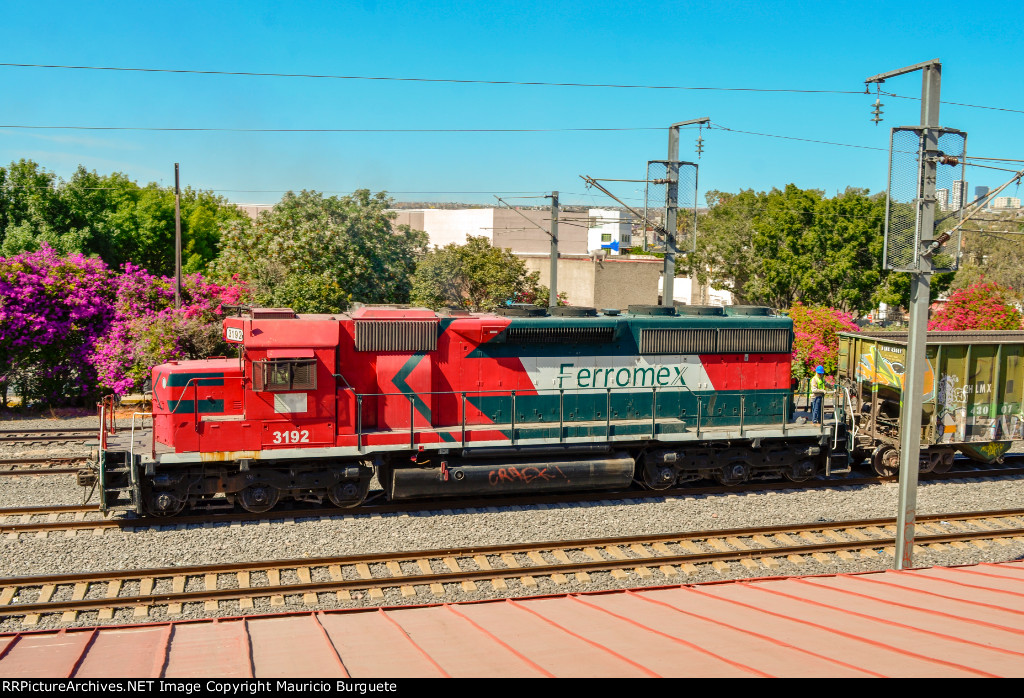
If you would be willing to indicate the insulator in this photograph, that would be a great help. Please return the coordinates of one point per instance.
(700, 146)
(877, 111)
(949, 160)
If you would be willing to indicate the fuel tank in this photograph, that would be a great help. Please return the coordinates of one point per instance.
(459, 477)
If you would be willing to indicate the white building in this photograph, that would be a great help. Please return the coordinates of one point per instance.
(1006, 202)
(610, 230)
(942, 196)
(959, 197)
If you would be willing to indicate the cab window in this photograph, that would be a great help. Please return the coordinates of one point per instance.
(284, 374)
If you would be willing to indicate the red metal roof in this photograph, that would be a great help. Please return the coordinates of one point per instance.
(964, 621)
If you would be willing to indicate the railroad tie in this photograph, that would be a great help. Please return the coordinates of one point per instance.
(245, 602)
(719, 545)
(616, 552)
(210, 582)
(274, 580)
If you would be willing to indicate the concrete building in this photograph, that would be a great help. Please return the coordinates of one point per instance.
(602, 282)
(1006, 202)
(942, 196)
(689, 291)
(253, 210)
(503, 227)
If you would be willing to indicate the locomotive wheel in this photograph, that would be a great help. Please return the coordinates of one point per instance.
(944, 464)
(259, 497)
(800, 472)
(886, 461)
(348, 494)
(658, 477)
(164, 503)
(735, 474)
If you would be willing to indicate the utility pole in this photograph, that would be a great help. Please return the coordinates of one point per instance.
(177, 239)
(553, 285)
(917, 335)
(671, 206)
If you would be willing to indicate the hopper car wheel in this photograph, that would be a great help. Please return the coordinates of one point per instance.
(886, 461)
(164, 503)
(944, 464)
(258, 497)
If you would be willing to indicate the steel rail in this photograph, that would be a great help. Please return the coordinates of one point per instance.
(542, 570)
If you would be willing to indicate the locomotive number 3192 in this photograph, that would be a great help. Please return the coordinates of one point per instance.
(291, 437)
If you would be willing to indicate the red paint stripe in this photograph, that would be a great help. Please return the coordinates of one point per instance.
(587, 640)
(767, 638)
(161, 661)
(81, 656)
(673, 638)
(894, 623)
(412, 642)
(923, 609)
(330, 643)
(948, 597)
(529, 662)
(843, 633)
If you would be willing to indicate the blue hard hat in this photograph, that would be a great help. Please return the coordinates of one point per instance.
(819, 369)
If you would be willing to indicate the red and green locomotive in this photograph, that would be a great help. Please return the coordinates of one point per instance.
(453, 404)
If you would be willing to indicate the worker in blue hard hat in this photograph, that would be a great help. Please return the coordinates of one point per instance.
(818, 388)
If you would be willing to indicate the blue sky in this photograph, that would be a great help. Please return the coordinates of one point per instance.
(764, 45)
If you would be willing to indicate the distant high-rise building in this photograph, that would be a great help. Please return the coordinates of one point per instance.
(957, 200)
(980, 192)
(942, 196)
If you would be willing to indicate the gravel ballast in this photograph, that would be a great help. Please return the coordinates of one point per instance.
(355, 534)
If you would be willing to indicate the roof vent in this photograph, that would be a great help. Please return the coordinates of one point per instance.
(700, 310)
(521, 310)
(573, 311)
(759, 310)
(652, 310)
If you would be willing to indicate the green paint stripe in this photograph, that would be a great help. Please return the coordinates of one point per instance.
(188, 406)
(182, 379)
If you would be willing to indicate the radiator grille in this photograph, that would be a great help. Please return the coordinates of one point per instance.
(396, 335)
(559, 335)
(715, 341)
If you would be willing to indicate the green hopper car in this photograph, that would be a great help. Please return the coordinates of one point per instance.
(972, 396)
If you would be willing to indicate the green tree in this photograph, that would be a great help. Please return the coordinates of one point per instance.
(475, 276)
(109, 216)
(320, 254)
(795, 245)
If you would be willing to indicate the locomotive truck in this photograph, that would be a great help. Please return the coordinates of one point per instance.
(452, 403)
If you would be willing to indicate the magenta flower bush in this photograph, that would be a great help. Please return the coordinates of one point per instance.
(816, 340)
(978, 307)
(147, 330)
(70, 329)
(53, 311)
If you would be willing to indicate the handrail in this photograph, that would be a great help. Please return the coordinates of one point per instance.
(515, 396)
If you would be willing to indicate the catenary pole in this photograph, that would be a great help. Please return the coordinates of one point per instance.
(553, 285)
(671, 207)
(177, 239)
(917, 335)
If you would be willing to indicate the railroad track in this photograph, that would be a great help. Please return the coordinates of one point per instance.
(47, 435)
(41, 466)
(88, 518)
(668, 558)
